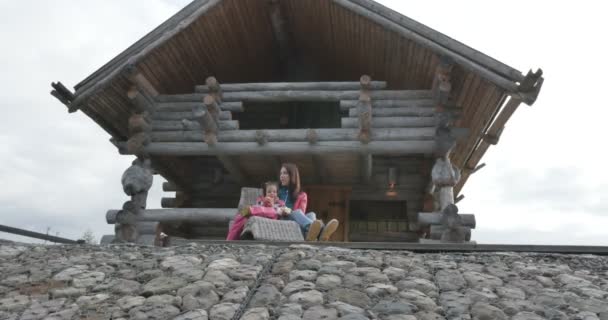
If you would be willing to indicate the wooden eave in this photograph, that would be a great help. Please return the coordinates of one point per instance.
(234, 41)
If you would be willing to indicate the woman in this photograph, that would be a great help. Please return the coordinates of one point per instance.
(295, 199)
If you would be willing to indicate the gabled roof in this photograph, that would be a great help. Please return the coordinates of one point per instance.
(238, 41)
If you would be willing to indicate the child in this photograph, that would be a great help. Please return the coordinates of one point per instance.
(267, 206)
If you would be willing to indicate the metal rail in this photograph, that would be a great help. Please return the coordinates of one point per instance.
(37, 235)
(423, 247)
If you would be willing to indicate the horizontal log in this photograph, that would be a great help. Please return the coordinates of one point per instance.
(437, 231)
(304, 95)
(209, 215)
(417, 100)
(392, 122)
(266, 86)
(297, 135)
(176, 125)
(287, 148)
(179, 115)
(236, 106)
(434, 218)
(396, 112)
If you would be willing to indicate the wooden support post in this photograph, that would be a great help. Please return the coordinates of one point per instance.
(365, 109)
(210, 103)
(214, 89)
(209, 125)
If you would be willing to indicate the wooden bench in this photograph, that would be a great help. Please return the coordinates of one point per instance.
(266, 229)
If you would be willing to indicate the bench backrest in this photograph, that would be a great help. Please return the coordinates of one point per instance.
(248, 197)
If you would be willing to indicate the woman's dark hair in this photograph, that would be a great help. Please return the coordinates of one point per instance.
(267, 184)
(294, 178)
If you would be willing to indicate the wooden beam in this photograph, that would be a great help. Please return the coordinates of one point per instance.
(434, 218)
(234, 169)
(284, 148)
(364, 109)
(414, 102)
(179, 115)
(293, 95)
(209, 215)
(395, 112)
(235, 106)
(392, 122)
(174, 125)
(297, 135)
(294, 86)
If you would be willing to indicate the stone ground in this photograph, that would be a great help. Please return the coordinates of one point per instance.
(198, 281)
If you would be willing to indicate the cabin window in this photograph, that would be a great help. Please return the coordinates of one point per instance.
(289, 115)
(375, 220)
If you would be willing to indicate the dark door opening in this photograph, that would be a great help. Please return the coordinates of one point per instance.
(289, 115)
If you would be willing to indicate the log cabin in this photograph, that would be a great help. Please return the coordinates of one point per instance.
(385, 117)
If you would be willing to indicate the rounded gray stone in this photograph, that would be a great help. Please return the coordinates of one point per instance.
(328, 281)
(320, 313)
(198, 314)
(236, 295)
(256, 314)
(163, 284)
(153, 312)
(388, 307)
(353, 297)
(309, 264)
(483, 311)
(307, 275)
(525, 315)
(223, 311)
(297, 286)
(422, 301)
(293, 309)
(394, 274)
(423, 285)
(265, 295)
(307, 298)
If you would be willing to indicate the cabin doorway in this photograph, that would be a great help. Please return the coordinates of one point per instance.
(330, 203)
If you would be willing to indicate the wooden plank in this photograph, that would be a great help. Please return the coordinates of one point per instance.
(297, 86)
(295, 95)
(298, 135)
(179, 115)
(209, 215)
(396, 112)
(235, 106)
(280, 148)
(345, 105)
(434, 218)
(174, 125)
(392, 122)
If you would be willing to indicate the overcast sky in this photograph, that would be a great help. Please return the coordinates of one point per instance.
(544, 183)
